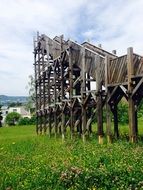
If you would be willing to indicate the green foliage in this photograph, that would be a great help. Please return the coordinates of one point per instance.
(14, 104)
(33, 120)
(39, 162)
(24, 121)
(0, 116)
(12, 118)
(27, 121)
(123, 113)
(30, 105)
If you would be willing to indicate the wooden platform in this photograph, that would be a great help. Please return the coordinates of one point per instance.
(64, 74)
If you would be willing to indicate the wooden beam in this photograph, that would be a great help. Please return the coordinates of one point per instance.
(63, 103)
(99, 101)
(55, 99)
(50, 122)
(71, 91)
(135, 90)
(83, 89)
(108, 110)
(132, 124)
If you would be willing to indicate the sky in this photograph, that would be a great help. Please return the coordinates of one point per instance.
(116, 24)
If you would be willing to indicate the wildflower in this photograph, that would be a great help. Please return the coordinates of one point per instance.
(63, 175)
(76, 170)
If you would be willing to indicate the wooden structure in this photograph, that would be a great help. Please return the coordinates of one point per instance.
(65, 73)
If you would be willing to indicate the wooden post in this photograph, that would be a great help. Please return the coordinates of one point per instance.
(49, 122)
(89, 109)
(55, 99)
(62, 97)
(36, 90)
(99, 101)
(71, 91)
(132, 124)
(62, 91)
(39, 86)
(43, 93)
(136, 121)
(108, 110)
(83, 94)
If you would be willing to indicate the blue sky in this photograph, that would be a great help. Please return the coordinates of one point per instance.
(115, 24)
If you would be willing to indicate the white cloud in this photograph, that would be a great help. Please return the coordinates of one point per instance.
(115, 24)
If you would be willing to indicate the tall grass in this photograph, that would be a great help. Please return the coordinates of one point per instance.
(28, 161)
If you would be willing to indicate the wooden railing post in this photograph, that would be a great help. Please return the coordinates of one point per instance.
(83, 89)
(132, 122)
(71, 90)
(99, 101)
(108, 110)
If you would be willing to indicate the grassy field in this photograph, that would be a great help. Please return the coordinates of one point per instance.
(35, 162)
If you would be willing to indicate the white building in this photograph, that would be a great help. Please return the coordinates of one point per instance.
(21, 110)
(4, 110)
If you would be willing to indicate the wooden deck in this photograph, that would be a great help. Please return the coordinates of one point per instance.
(64, 74)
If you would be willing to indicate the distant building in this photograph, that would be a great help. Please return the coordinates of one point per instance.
(21, 110)
(4, 110)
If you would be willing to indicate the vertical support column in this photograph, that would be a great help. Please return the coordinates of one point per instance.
(108, 110)
(35, 68)
(49, 102)
(132, 123)
(99, 101)
(48, 90)
(43, 92)
(62, 97)
(49, 108)
(62, 89)
(71, 91)
(55, 99)
(39, 86)
(89, 109)
(83, 93)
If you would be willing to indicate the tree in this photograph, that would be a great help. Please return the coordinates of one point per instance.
(0, 117)
(14, 104)
(30, 105)
(12, 118)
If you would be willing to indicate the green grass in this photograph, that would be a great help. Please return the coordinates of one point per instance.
(28, 161)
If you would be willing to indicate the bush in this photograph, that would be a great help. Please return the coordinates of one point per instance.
(33, 120)
(12, 118)
(24, 121)
(123, 113)
(27, 121)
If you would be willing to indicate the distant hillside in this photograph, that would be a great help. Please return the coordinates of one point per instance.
(5, 100)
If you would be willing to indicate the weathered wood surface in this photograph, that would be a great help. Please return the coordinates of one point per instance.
(64, 74)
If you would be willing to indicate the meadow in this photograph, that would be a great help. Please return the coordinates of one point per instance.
(28, 161)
